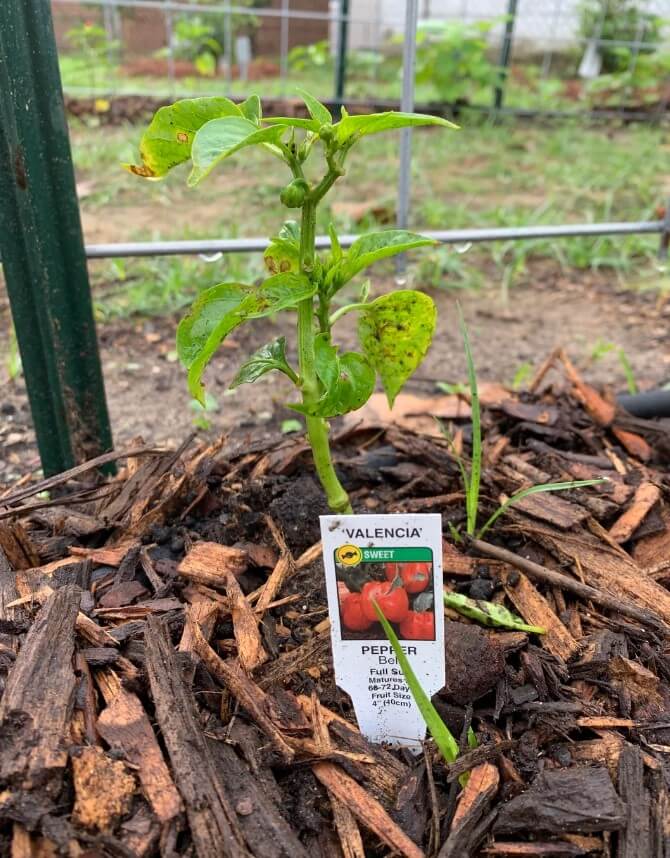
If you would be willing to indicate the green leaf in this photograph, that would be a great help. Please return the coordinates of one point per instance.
(374, 123)
(219, 310)
(395, 332)
(268, 357)
(534, 490)
(317, 111)
(291, 425)
(207, 312)
(278, 293)
(438, 729)
(293, 122)
(252, 110)
(474, 478)
(489, 613)
(283, 252)
(373, 247)
(348, 381)
(335, 246)
(221, 138)
(168, 140)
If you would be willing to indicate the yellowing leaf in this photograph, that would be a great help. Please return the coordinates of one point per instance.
(396, 331)
(168, 140)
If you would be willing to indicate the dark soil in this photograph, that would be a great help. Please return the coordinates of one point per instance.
(571, 725)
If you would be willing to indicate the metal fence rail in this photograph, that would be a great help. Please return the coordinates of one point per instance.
(450, 236)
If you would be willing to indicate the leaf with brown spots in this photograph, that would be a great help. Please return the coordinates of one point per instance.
(168, 140)
(396, 331)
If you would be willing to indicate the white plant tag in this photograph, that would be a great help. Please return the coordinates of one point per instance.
(399, 559)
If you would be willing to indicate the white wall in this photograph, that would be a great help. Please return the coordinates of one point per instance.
(540, 24)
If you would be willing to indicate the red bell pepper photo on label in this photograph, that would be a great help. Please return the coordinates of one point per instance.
(399, 581)
(390, 596)
(418, 626)
(415, 577)
(353, 617)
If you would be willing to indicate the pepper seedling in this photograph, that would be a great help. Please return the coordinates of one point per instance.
(394, 330)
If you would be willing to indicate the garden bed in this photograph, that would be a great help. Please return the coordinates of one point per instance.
(165, 658)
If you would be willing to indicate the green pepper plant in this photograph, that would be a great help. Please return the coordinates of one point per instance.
(394, 330)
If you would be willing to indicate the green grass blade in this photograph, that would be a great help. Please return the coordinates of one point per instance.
(438, 729)
(631, 384)
(472, 489)
(533, 490)
(456, 455)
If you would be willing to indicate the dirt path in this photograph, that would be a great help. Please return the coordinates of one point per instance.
(147, 393)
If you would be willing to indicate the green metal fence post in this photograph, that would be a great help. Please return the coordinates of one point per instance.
(341, 58)
(41, 244)
(505, 54)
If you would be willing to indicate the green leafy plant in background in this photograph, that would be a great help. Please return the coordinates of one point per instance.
(453, 57)
(94, 51)
(615, 21)
(395, 330)
(471, 475)
(308, 57)
(640, 83)
(196, 39)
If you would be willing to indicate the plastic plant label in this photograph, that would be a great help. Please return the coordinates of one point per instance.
(395, 561)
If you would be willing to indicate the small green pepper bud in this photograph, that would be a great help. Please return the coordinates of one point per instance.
(293, 195)
(326, 132)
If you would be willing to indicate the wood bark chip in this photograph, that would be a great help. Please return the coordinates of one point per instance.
(345, 822)
(36, 706)
(284, 567)
(601, 411)
(250, 649)
(635, 840)
(608, 571)
(312, 653)
(126, 728)
(17, 547)
(552, 509)
(536, 611)
(204, 614)
(633, 443)
(209, 563)
(622, 606)
(366, 809)
(212, 819)
(555, 849)
(472, 809)
(649, 550)
(578, 799)
(646, 496)
(103, 790)
(243, 689)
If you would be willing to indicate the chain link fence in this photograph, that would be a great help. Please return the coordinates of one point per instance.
(603, 57)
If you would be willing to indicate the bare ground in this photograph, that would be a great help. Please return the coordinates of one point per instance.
(146, 388)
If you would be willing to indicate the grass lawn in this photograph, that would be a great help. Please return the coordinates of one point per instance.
(482, 175)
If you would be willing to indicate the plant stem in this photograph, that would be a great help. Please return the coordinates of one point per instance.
(348, 308)
(317, 427)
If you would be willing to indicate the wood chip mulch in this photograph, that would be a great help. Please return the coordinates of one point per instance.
(165, 677)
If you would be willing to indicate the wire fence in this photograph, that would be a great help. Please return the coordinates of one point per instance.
(558, 57)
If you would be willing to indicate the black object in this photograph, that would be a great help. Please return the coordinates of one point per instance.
(651, 403)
